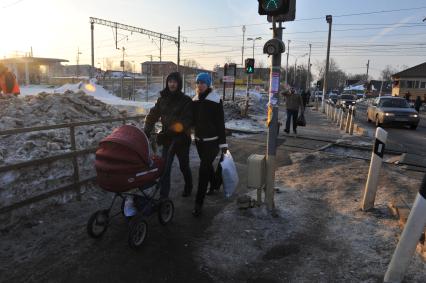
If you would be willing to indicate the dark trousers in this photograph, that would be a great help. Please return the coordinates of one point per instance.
(207, 152)
(291, 115)
(181, 150)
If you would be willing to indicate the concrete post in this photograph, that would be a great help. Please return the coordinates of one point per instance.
(410, 237)
(348, 119)
(342, 121)
(336, 112)
(339, 114)
(27, 74)
(329, 110)
(374, 171)
(351, 124)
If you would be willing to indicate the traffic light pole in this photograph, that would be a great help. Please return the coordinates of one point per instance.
(274, 87)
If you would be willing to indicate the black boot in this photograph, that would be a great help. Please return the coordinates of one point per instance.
(197, 210)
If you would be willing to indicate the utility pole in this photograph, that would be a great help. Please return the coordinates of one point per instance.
(329, 19)
(78, 62)
(295, 72)
(92, 27)
(160, 48)
(368, 67)
(286, 68)
(309, 69)
(242, 48)
(273, 119)
(254, 40)
(178, 55)
(122, 75)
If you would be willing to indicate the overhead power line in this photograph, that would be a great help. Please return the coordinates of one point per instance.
(311, 19)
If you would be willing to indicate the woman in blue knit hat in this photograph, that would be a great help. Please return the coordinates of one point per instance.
(209, 127)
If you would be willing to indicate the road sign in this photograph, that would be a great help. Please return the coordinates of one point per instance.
(228, 79)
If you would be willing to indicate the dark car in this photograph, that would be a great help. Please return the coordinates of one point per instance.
(332, 98)
(346, 100)
(392, 110)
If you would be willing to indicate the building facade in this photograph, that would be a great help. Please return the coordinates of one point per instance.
(410, 82)
(33, 70)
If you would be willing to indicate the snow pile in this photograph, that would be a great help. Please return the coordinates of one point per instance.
(103, 95)
(255, 122)
(320, 233)
(48, 109)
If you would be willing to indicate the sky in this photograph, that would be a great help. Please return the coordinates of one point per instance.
(386, 32)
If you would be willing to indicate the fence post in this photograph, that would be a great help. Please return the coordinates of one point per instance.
(335, 113)
(351, 125)
(342, 121)
(339, 113)
(374, 171)
(76, 175)
(348, 119)
(410, 237)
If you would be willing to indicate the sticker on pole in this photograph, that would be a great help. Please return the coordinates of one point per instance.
(275, 82)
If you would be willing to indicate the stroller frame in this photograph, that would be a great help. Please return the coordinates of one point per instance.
(146, 204)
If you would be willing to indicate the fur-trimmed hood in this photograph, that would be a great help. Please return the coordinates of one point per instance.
(212, 96)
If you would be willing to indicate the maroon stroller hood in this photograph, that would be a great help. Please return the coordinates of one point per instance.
(124, 160)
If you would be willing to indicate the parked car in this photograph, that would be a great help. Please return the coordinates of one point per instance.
(346, 100)
(392, 110)
(332, 98)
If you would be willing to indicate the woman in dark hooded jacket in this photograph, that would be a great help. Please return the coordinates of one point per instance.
(209, 127)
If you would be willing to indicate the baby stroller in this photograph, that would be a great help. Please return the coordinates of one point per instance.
(124, 161)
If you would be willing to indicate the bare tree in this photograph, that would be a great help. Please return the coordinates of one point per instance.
(336, 77)
(191, 63)
(357, 77)
(387, 72)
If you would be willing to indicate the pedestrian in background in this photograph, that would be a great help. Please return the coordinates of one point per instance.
(209, 128)
(418, 104)
(8, 83)
(294, 102)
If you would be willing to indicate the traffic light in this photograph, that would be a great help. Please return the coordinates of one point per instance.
(274, 7)
(249, 65)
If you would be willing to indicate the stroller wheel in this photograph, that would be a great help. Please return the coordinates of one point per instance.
(98, 223)
(138, 229)
(166, 211)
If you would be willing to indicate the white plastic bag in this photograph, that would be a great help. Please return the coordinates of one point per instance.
(229, 174)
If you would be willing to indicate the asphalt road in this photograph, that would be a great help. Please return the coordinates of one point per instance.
(399, 138)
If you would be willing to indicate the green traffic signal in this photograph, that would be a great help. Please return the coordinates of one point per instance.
(249, 65)
(271, 5)
(276, 7)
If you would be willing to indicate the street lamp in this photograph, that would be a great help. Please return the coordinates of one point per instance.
(254, 40)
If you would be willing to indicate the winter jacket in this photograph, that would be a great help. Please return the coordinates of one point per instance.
(294, 101)
(8, 83)
(209, 120)
(173, 109)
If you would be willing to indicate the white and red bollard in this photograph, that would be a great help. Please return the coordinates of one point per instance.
(374, 171)
(410, 237)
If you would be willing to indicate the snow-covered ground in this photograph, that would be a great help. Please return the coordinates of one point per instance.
(319, 234)
(92, 89)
